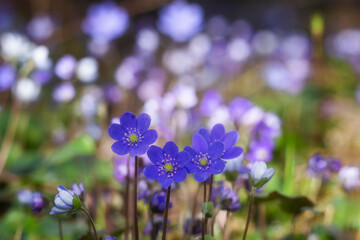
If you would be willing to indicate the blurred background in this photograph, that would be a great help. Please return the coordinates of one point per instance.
(286, 70)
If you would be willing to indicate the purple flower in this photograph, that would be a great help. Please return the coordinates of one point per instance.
(41, 27)
(132, 134)
(79, 190)
(30, 199)
(317, 164)
(350, 177)
(65, 67)
(237, 108)
(229, 139)
(106, 21)
(120, 168)
(144, 191)
(108, 237)
(260, 151)
(225, 198)
(25, 197)
(155, 227)
(181, 20)
(194, 224)
(158, 202)
(205, 159)
(64, 93)
(211, 100)
(7, 76)
(37, 202)
(169, 164)
(41, 76)
(63, 201)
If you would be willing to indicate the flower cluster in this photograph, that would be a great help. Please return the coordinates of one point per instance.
(31, 199)
(225, 198)
(318, 165)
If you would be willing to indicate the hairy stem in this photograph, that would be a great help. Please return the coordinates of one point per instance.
(203, 229)
(249, 213)
(91, 221)
(166, 213)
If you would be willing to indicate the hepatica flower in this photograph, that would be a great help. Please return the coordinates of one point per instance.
(229, 139)
(63, 201)
(260, 174)
(132, 134)
(205, 158)
(169, 164)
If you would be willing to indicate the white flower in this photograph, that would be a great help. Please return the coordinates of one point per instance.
(259, 171)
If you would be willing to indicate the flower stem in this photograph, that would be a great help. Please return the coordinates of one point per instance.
(91, 221)
(209, 198)
(249, 212)
(166, 213)
(60, 229)
(127, 189)
(136, 226)
(203, 229)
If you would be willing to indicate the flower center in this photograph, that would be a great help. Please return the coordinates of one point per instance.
(203, 162)
(133, 138)
(168, 167)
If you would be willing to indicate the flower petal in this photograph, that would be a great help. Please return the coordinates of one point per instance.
(155, 154)
(183, 158)
(128, 120)
(201, 176)
(191, 151)
(199, 143)
(216, 150)
(151, 172)
(232, 153)
(269, 173)
(138, 150)
(116, 131)
(205, 133)
(120, 148)
(180, 175)
(258, 170)
(165, 181)
(150, 137)
(61, 204)
(190, 167)
(56, 210)
(143, 122)
(217, 167)
(65, 195)
(171, 149)
(217, 132)
(230, 139)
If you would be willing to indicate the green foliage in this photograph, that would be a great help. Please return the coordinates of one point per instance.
(207, 209)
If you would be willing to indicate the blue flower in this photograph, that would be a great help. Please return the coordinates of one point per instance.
(169, 164)
(108, 237)
(132, 134)
(63, 201)
(260, 151)
(37, 202)
(226, 198)
(194, 223)
(30, 199)
(205, 159)
(229, 139)
(158, 202)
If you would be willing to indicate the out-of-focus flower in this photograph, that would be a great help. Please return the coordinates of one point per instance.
(108, 237)
(132, 134)
(37, 202)
(63, 201)
(98, 47)
(41, 76)
(113, 93)
(229, 139)
(40, 56)
(217, 26)
(210, 101)
(155, 81)
(127, 73)
(350, 177)
(169, 164)
(237, 108)
(64, 93)
(295, 46)
(144, 191)
(265, 42)
(41, 27)
(260, 152)
(179, 61)
(90, 102)
(79, 190)
(205, 159)
(185, 95)
(120, 168)
(87, 69)
(31, 199)
(15, 47)
(323, 166)
(26, 90)
(65, 67)
(260, 171)
(106, 21)
(147, 40)
(225, 198)
(25, 197)
(155, 227)
(7, 76)
(192, 226)
(181, 20)
(345, 44)
(158, 202)
(238, 49)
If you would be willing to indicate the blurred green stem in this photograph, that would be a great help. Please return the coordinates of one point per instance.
(166, 213)
(249, 212)
(91, 221)
(9, 135)
(60, 229)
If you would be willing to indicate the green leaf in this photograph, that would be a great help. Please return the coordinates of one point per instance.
(207, 209)
(208, 237)
(83, 145)
(76, 202)
(251, 180)
(231, 176)
(291, 204)
(260, 183)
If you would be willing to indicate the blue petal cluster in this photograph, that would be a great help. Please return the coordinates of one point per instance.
(63, 201)
(169, 164)
(132, 134)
